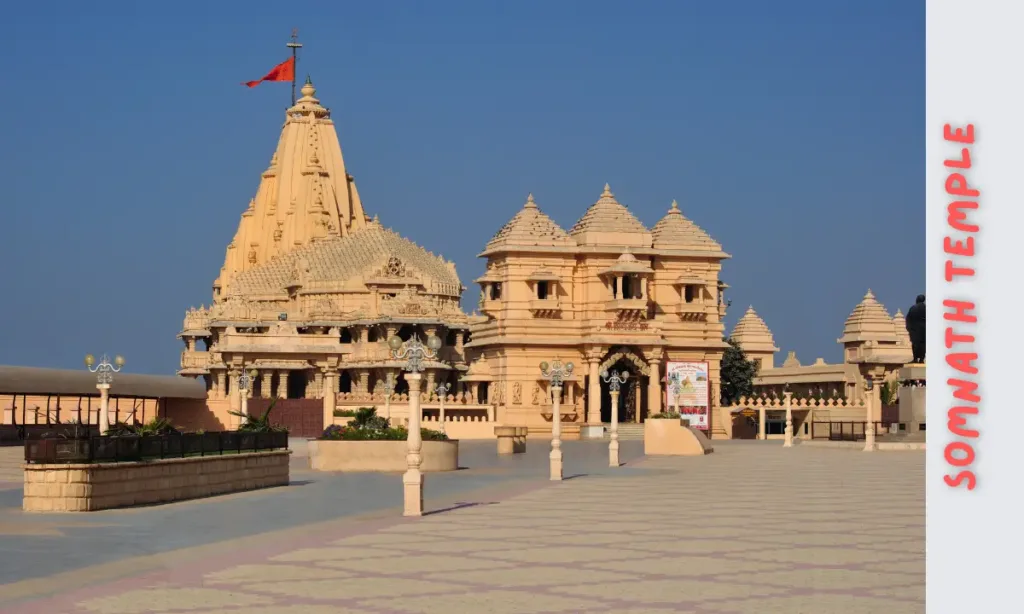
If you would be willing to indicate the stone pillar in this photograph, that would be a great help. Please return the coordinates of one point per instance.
(104, 408)
(594, 394)
(913, 392)
(364, 381)
(431, 385)
(654, 388)
(282, 384)
(329, 398)
(555, 457)
(412, 481)
(618, 286)
(267, 384)
(318, 386)
(760, 424)
(638, 402)
(643, 288)
(222, 384)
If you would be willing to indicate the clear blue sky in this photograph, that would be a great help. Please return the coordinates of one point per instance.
(791, 130)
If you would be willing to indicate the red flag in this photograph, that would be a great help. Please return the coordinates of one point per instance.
(285, 71)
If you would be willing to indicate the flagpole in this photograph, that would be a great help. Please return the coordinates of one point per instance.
(295, 45)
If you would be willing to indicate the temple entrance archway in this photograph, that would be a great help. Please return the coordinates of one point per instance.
(633, 400)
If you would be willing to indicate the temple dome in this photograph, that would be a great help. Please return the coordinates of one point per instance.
(899, 323)
(531, 227)
(372, 255)
(609, 222)
(752, 334)
(675, 231)
(869, 321)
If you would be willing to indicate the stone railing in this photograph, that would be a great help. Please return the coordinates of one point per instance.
(195, 359)
(462, 399)
(196, 319)
(798, 404)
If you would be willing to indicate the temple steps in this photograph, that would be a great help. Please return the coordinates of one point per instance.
(629, 431)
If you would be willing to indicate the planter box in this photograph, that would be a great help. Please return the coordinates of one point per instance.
(670, 437)
(97, 486)
(340, 455)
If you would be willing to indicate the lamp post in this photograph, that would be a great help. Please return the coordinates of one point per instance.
(556, 372)
(614, 381)
(389, 389)
(413, 352)
(442, 394)
(789, 417)
(104, 376)
(869, 428)
(245, 381)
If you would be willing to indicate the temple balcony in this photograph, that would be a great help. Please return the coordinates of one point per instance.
(195, 361)
(628, 306)
(546, 307)
(490, 306)
(692, 312)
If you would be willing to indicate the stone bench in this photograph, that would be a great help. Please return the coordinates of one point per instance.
(511, 439)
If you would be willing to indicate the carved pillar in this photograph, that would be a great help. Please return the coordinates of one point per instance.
(266, 384)
(282, 384)
(329, 398)
(222, 384)
(364, 381)
(431, 384)
(594, 393)
(618, 286)
(460, 343)
(760, 423)
(318, 386)
(654, 388)
(643, 288)
(234, 398)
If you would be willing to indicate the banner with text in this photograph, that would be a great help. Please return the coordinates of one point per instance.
(693, 391)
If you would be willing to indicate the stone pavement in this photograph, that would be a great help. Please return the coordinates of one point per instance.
(752, 528)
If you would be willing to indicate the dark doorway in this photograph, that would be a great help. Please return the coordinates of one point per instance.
(635, 386)
(296, 384)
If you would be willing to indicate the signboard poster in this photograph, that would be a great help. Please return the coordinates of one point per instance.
(693, 395)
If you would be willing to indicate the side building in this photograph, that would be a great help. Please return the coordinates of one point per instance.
(609, 294)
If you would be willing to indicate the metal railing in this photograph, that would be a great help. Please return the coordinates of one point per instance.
(105, 449)
(847, 431)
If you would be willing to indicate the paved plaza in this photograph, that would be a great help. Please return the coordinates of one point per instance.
(752, 528)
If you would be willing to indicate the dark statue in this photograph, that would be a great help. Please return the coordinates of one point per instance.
(916, 328)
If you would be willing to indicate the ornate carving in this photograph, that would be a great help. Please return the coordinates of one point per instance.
(615, 356)
(537, 395)
(394, 268)
(409, 302)
(626, 325)
(517, 393)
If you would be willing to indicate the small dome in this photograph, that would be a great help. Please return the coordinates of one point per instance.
(869, 321)
(752, 334)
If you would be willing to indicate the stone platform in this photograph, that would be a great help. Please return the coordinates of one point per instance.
(789, 531)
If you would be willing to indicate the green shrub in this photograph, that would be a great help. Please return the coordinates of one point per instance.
(666, 415)
(368, 426)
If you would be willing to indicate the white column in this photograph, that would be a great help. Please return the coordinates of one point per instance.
(760, 424)
(789, 420)
(872, 400)
(556, 434)
(104, 408)
(329, 398)
(613, 446)
(413, 478)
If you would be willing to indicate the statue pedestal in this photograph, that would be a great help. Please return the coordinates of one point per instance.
(913, 392)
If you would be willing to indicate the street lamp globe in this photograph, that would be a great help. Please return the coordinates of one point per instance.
(624, 375)
(119, 361)
(395, 343)
(90, 360)
(569, 366)
(544, 366)
(434, 342)
(604, 374)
